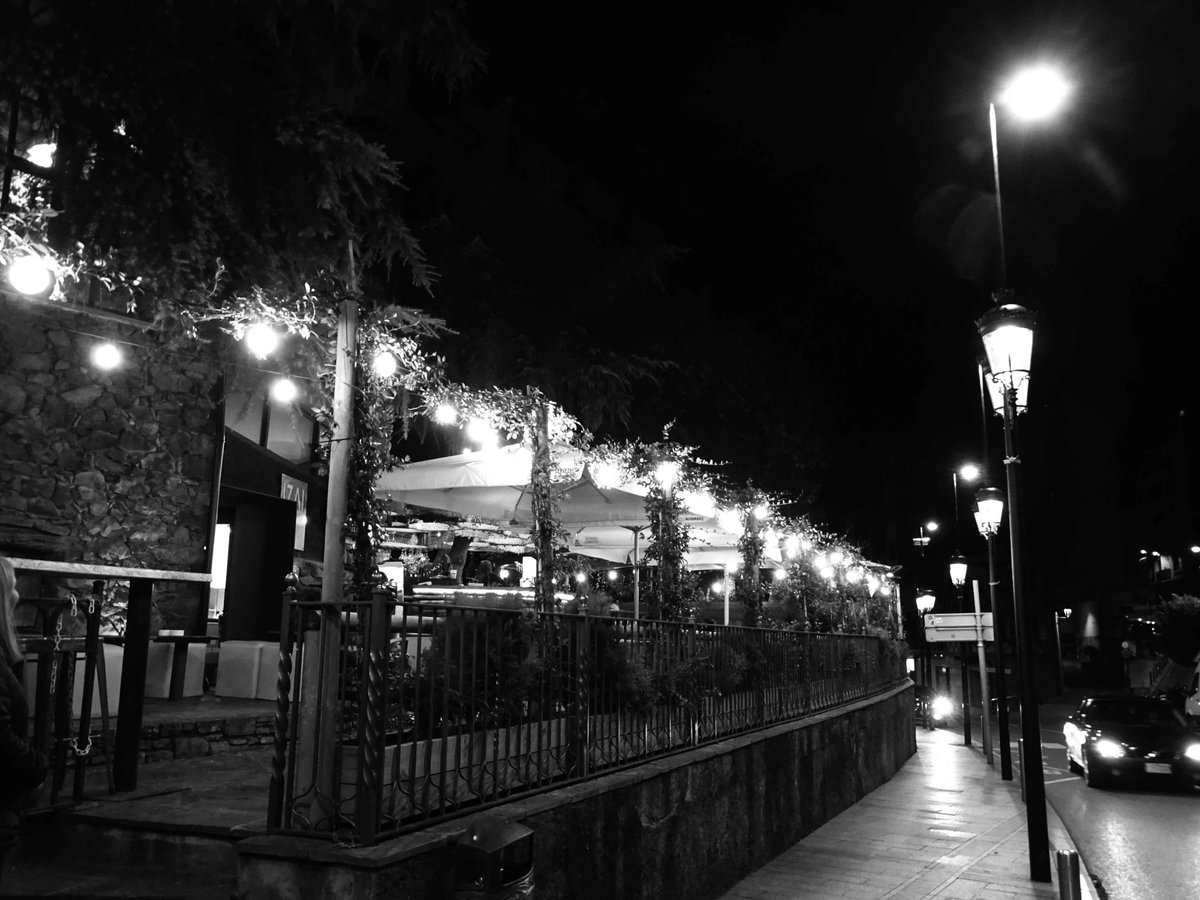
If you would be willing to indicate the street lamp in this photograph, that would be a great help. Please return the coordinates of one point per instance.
(988, 514)
(958, 572)
(922, 540)
(925, 602)
(1007, 334)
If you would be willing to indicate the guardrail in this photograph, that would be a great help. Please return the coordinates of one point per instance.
(417, 712)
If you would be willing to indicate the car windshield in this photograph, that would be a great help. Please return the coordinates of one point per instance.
(1132, 713)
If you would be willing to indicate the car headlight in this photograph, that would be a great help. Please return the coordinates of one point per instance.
(941, 707)
(1192, 751)
(1109, 749)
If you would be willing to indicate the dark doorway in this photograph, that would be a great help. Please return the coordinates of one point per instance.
(260, 555)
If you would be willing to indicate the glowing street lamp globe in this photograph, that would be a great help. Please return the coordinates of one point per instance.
(925, 601)
(990, 503)
(1007, 333)
(1036, 93)
(958, 570)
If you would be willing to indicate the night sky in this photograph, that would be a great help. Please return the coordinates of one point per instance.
(827, 168)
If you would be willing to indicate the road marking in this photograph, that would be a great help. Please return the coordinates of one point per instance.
(1051, 745)
(1061, 780)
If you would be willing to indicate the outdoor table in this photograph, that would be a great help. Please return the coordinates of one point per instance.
(179, 658)
(137, 647)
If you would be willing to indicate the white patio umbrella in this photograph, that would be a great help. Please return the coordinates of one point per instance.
(494, 484)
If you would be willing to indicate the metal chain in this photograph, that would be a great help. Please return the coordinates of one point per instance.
(75, 746)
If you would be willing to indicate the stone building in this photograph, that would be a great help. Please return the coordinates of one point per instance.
(118, 466)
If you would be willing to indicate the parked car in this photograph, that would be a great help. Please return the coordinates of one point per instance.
(1125, 737)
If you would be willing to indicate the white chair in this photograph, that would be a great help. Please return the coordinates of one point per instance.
(268, 672)
(238, 668)
(160, 658)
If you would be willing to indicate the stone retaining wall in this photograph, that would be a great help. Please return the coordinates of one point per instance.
(105, 467)
(202, 737)
(687, 826)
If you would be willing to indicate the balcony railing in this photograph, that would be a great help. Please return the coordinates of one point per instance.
(404, 714)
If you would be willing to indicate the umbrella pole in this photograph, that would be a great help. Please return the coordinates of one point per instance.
(637, 582)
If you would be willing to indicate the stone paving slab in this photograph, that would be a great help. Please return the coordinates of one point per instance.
(946, 827)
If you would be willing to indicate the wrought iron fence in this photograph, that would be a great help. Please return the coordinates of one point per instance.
(403, 714)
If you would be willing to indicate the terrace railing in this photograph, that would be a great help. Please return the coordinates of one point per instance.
(432, 710)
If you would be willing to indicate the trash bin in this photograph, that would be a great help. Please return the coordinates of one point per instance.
(494, 860)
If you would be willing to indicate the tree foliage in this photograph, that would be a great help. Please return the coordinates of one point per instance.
(192, 133)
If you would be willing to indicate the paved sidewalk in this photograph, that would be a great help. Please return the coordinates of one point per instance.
(945, 826)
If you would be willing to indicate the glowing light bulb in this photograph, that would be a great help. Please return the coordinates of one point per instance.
(481, 431)
(41, 154)
(612, 574)
(284, 390)
(106, 356)
(385, 364)
(791, 546)
(261, 340)
(30, 275)
(761, 512)
(667, 473)
(780, 574)
(606, 475)
(580, 577)
(445, 414)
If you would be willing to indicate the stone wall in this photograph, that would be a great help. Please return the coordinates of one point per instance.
(687, 826)
(104, 467)
(199, 737)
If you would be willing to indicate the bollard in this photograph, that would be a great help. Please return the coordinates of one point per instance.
(1068, 875)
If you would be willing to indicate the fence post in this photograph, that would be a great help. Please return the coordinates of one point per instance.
(579, 726)
(283, 691)
(372, 696)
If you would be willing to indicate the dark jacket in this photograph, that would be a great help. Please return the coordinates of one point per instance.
(22, 765)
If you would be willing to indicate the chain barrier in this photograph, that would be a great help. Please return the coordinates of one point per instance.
(75, 746)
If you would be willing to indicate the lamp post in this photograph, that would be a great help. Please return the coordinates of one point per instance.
(1035, 93)
(925, 601)
(1007, 334)
(990, 503)
(922, 539)
(958, 577)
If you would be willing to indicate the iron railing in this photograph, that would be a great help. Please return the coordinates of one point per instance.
(404, 714)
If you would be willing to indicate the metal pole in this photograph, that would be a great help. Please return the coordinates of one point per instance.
(637, 576)
(1006, 770)
(983, 678)
(1035, 787)
(999, 207)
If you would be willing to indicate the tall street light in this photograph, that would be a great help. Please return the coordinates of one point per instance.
(990, 510)
(1007, 333)
(1036, 93)
(922, 539)
(925, 601)
(958, 577)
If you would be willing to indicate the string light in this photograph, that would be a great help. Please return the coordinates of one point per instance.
(284, 390)
(261, 340)
(31, 275)
(106, 356)
(385, 364)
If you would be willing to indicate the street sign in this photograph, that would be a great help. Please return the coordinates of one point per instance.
(957, 626)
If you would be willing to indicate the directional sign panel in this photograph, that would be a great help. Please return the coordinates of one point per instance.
(956, 626)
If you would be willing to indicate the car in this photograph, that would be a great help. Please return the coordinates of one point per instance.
(1122, 737)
